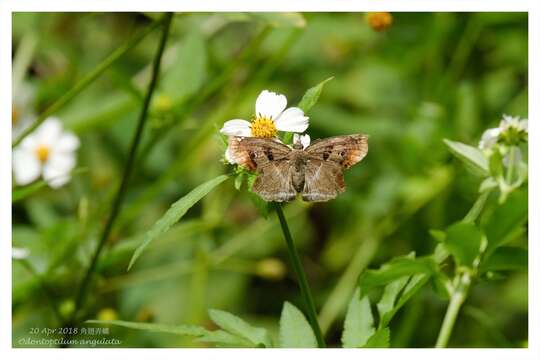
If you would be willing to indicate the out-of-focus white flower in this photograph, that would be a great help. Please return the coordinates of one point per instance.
(49, 152)
(511, 131)
(22, 108)
(305, 140)
(19, 253)
(270, 117)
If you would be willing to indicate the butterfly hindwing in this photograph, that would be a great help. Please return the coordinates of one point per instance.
(323, 180)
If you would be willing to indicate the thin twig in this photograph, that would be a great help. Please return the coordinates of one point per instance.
(127, 170)
(302, 280)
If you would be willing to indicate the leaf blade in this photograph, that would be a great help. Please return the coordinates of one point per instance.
(175, 213)
(237, 326)
(473, 158)
(294, 329)
(358, 327)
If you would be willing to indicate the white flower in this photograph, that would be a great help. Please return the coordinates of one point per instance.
(511, 130)
(302, 139)
(489, 138)
(49, 151)
(19, 253)
(270, 117)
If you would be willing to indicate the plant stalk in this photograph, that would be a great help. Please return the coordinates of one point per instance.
(302, 280)
(456, 301)
(79, 302)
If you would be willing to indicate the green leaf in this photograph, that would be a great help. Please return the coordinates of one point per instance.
(312, 95)
(358, 327)
(388, 299)
(20, 193)
(438, 235)
(237, 326)
(222, 337)
(507, 258)
(187, 74)
(396, 269)
(294, 329)
(463, 241)
(473, 158)
(506, 220)
(175, 213)
(188, 330)
(381, 339)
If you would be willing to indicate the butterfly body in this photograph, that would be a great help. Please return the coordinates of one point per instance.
(315, 172)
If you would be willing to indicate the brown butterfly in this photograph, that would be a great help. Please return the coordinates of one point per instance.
(316, 172)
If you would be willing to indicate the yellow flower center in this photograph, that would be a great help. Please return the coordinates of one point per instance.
(263, 127)
(42, 153)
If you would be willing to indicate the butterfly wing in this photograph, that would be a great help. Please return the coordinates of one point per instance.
(326, 160)
(345, 150)
(270, 159)
(323, 180)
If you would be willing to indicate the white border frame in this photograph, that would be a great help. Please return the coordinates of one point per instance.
(530, 6)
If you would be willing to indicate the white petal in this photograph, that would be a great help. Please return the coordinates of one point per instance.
(228, 156)
(56, 171)
(236, 127)
(305, 140)
(489, 138)
(292, 120)
(19, 253)
(49, 132)
(26, 166)
(270, 104)
(68, 142)
(524, 124)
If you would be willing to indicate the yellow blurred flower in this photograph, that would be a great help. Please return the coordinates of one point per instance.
(379, 21)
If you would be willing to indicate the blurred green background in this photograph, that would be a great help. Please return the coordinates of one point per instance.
(429, 76)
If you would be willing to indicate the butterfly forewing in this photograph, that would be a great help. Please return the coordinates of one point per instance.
(253, 153)
(345, 150)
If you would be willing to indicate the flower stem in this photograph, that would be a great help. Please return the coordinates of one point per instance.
(79, 300)
(86, 80)
(304, 287)
(456, 300)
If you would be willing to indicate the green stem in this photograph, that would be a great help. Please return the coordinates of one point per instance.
(85, 81)
(304, 287)
(127, 170)
(477, 207)
(456, 300)
(511, 165)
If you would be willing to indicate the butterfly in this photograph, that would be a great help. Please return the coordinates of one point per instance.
(315, 172)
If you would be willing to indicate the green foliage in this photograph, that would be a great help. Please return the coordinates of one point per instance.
(408, 89)
(471, 156)
(358, 327)
(237, 326)
(294, 329)
(175, 213)
(463, 241)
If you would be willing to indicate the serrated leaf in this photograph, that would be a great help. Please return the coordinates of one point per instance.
(311, 96)
(463, 240)
(381, 339)
(189, 330)
(396, 269)
(473, 158)
(294, 329)
(237, 326)
(506, 220)
(175, 213)
(388, 299)
(507, 258)
(358, 326)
